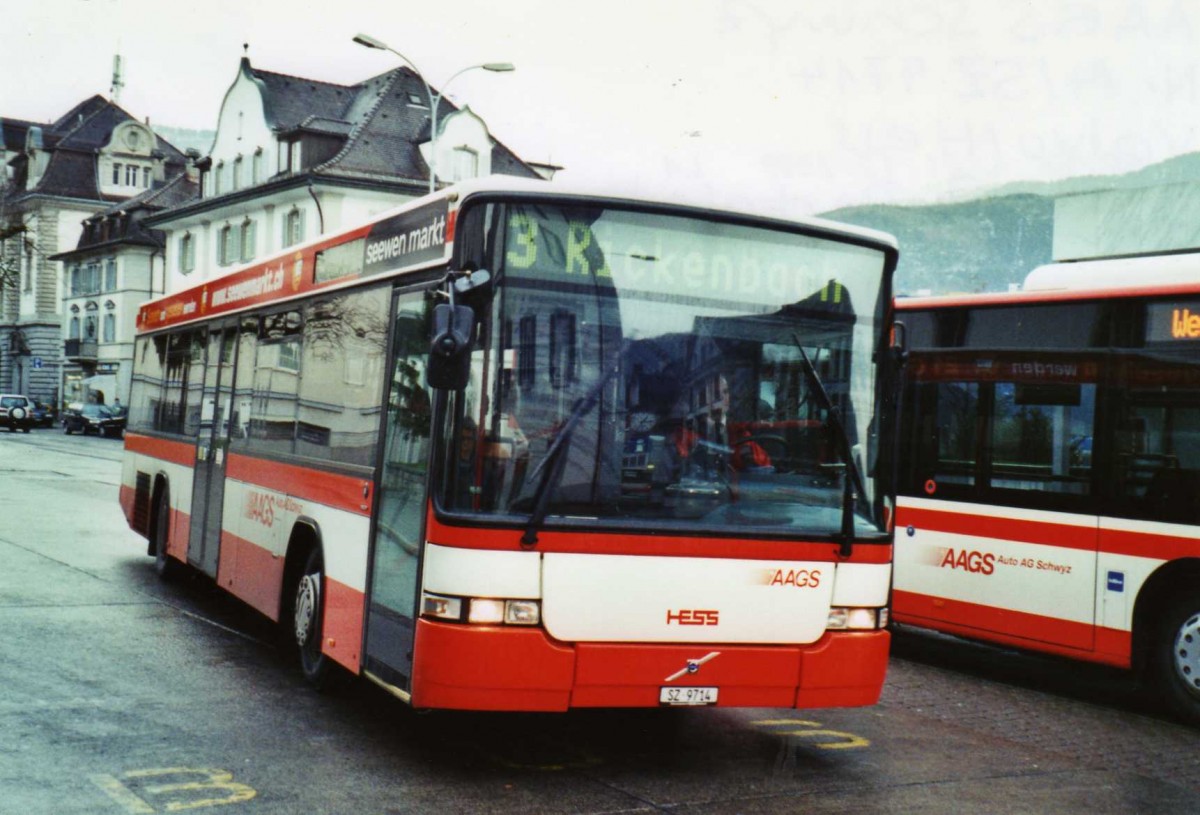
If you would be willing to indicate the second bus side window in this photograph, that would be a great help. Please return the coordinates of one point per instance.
(1042, 437)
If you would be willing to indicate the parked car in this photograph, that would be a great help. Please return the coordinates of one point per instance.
(43, 415)
(16, 412)
(94, 419)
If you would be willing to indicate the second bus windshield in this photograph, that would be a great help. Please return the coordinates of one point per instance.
(659, 369)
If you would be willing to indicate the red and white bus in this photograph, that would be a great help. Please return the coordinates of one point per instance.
(1049, 495)
(407, 443)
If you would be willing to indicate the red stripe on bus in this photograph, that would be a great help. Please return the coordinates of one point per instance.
(1109, 541)
(176, 452)
(903, 304)
(673, 545)
(331, 489)
(1148, 544)
(1018, 530)
(1021, 629)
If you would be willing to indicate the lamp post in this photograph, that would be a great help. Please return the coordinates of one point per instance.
(434, 99)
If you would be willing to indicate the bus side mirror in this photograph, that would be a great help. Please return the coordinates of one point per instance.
(450, 350)
(899, 342)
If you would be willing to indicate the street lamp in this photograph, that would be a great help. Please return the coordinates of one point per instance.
(434, 99)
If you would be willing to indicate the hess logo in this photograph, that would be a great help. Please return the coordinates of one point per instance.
(693, 616)
(969, 561)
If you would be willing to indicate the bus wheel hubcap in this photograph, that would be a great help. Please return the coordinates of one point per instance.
(306, 608)
(1187, 653)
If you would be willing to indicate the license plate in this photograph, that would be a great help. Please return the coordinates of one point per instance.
(687, 696)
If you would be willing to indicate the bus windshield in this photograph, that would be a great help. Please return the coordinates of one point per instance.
(660, 369)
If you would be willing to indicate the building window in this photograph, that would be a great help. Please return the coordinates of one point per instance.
(283, 157)
(116, 174)
(465, 164)
(73, 333)
(110, 274)
(28, 269)
(89, 279)
(110, 327)
(187, 253)
(146, 177)
(225, 253)
(293, 227)
(217, 173)
(294, 149)
(131, 175)
(236, 181)
(246, 236)
(256, 166)
(89, 326)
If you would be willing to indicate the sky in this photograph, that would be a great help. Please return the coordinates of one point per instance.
(802, 105)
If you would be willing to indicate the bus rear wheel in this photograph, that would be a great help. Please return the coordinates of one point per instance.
(308, 607)
(1177, 658)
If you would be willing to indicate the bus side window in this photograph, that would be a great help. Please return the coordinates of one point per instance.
(1158, 461)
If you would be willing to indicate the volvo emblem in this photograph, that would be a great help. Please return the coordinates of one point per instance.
(692, 666)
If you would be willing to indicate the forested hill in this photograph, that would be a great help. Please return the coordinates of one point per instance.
(992, 241)
(973, 246)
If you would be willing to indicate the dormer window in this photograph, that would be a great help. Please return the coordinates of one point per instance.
(116, 176)
(416, 101)
(465, 164)
(237, 174)
(218, 172)
(131, 175)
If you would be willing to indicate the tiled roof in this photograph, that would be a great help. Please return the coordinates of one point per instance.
(177, 191)
(382, 125)
(12, 133)
(290, 100)
(73, 142)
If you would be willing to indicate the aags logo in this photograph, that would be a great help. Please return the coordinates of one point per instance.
(800, 578)
(968, 561)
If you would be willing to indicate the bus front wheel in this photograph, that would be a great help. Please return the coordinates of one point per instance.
(308, 606)
(1177, 657)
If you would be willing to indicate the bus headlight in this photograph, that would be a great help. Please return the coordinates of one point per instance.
(856, 619)
(481, 610)
(446, 608)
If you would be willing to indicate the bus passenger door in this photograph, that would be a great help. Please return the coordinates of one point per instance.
(997, 536)
(212, 447)
(400, 500)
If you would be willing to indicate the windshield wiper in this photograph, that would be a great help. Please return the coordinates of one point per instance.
(852, 484)
(551, 467)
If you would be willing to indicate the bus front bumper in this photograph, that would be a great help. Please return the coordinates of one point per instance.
(465, 667)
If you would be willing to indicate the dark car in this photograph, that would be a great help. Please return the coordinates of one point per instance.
(94, 419)
(43, 415)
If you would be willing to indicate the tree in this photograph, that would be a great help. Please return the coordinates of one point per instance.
(15, 242)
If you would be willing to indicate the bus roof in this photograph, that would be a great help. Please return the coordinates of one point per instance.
(1101, 279)
(272, 277)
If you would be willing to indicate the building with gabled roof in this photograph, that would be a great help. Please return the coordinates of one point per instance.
(294, 158)
(115, 267)
(56, 175)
